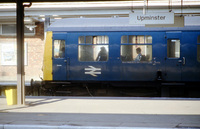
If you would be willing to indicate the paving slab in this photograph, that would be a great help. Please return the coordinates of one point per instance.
(97, 112)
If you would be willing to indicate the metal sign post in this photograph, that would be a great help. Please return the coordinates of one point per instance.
(20, 54)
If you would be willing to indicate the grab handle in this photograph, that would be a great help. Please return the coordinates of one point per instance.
(183, 60)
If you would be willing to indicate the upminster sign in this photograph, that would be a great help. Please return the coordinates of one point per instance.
(151, 18)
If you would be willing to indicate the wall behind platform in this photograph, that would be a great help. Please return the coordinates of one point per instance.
(34, 46)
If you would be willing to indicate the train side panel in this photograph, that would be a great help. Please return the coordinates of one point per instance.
(116, 67)
(173, 55)
(82, 56)
(191, 67)
(59, 56)
(170, 56)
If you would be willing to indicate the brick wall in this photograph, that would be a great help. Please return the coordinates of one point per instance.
(35, 48)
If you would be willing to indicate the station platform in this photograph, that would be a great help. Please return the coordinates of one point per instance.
(101, 113)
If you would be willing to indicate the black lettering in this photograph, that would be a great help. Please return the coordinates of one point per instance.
(142, 18)
(162, 18)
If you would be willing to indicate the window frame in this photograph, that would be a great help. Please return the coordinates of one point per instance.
(136, 37)
(175, 48)
(58, 57)
(93, 44)
(14, 34)
(136, 44)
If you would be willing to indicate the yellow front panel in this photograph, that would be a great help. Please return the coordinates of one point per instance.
(47, 62)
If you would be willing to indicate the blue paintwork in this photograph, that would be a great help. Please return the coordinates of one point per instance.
(173, 66)
(115, 70)
(59, 64)
(191, 70)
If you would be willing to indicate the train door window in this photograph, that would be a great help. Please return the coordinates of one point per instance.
(173, 48)
(198, 48)
(59, 48)
(137, 52)
(94, 49)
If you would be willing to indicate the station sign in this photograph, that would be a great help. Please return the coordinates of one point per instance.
(151, 18)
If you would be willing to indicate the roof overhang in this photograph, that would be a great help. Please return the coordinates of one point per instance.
(14, 1)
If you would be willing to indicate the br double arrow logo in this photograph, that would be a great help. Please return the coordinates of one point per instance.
(93, 71)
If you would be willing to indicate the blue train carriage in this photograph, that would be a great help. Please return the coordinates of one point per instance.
(112, 50)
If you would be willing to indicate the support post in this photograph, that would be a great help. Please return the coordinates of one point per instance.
(46, 24)
(20, 54)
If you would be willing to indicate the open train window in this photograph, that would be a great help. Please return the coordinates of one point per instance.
(93, 48)
(59, 48)
(137, 52)
(173, 48)
(136, 39)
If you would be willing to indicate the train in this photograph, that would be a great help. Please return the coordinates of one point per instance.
(112, 51)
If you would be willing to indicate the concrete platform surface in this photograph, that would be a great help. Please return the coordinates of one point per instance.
(100, 113)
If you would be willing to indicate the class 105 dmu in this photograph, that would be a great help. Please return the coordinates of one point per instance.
(110, 50)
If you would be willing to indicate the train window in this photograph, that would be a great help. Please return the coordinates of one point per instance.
(198, 53)
(95, 48)
(88, 40)
(136, 53)
(132, 39)
(81, 39)
(93, 39)
(59, 48)
(100, 39)
(173, 48)
(124, 39)
(93, 52)
(139, 39)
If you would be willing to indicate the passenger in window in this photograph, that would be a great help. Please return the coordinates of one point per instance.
(103, 55)
(62, 52)
(139, 56)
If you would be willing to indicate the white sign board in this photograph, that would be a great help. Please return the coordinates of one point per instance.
(151, 18)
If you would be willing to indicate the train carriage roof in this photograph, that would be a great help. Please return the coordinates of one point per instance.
(111, 24)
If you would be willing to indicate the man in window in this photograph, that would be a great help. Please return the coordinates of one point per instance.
(103, 55)
(139, 56)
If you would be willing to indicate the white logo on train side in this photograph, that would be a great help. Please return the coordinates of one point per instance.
(93, 71)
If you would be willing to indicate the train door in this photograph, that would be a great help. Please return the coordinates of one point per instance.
(191, 53)
(59, 57)
(173, 59)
